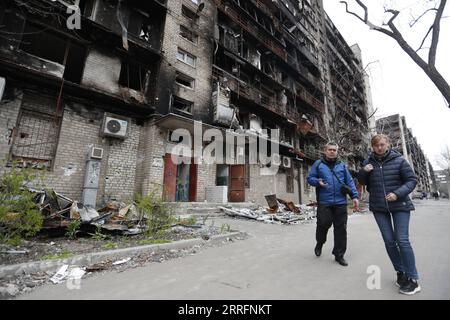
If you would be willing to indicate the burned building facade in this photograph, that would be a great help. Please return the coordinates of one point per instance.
(96, 107)
(404, 142)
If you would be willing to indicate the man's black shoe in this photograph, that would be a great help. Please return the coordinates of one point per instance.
(410, 287)
(318, 250)
(401, 279)
(341, 261)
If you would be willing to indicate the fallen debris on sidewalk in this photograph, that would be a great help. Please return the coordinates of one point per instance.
(59, 212)
(279, 211)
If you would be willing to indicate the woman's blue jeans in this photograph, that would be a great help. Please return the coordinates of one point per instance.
(394, 229)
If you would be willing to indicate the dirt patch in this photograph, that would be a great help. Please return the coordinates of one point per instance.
(45, 248)
(50, 248)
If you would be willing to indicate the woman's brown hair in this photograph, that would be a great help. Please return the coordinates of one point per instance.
(376, 138)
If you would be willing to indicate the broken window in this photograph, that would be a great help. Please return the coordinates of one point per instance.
(132, 76)
(182, 105)
(186, 57)
(50, 46)
(184, 80)
(76, 57)
(188, 13)
(140, 25)
(36, 136)
(188, 34)
(43, 44)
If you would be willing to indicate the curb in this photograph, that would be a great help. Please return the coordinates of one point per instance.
(97, 257)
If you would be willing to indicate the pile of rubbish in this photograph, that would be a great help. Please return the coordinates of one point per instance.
(279, 211)
(59, 212)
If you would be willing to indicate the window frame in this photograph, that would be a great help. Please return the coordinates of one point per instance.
(186, 54)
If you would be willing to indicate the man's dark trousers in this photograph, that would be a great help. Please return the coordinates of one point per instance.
(337, 216)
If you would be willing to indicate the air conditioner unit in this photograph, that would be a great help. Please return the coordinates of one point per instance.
(116, 127)
(286, 162)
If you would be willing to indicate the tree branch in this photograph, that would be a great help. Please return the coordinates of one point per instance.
(354, 14)
(435, 38)
(426, 36)
(411, 24)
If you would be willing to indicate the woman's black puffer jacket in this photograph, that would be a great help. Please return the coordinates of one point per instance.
(390, 174)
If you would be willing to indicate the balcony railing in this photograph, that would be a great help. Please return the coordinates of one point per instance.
(312, 153)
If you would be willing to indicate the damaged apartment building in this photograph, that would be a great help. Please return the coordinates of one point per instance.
(403, 141)
(95, 108)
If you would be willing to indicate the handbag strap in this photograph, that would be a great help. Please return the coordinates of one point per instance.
(332, 171)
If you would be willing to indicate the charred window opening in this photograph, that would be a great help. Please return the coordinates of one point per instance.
(184, 80)
(43, 44)
(49, 46)
(132, 76)
(182, 105)
(188, 34)
(37, 132)
(188, 13)
(76, 58)
(140, 25)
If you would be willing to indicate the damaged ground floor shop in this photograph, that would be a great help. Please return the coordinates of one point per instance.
(93, 156)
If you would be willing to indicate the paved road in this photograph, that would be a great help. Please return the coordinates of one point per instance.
(277, 262)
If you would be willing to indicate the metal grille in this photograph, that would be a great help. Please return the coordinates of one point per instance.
(36, 136)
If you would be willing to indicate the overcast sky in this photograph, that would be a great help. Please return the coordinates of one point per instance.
(399, 85)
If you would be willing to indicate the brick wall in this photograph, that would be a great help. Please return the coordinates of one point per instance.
(121, 166)
(206, 179)
(102, 71)
(151, 164)
(217, 194)
(80, 130)
(201, 94)
(261, 186)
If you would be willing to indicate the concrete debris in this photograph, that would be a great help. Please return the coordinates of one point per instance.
(279, 212)
(76, 273)
(67, 272)
(121, 261)
(60, 275)
(10, 289)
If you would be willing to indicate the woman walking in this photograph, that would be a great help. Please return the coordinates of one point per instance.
(389, 179)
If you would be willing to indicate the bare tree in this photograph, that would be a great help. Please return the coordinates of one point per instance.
(429, 67)
(444, 159)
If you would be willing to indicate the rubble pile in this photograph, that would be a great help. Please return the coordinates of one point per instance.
(59, 212)
(279, 211)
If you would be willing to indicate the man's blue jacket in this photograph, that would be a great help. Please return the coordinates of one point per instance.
(331, 194)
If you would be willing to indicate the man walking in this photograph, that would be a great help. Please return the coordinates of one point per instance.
(333, 182)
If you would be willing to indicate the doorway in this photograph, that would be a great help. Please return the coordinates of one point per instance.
(180, 181)
(237, 183)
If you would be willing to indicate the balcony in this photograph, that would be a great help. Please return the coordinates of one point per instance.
(243, 89)
(312, 152)
(304, 95)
